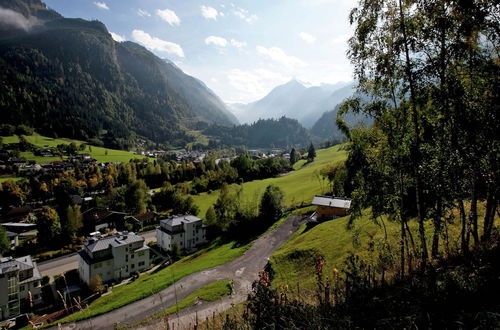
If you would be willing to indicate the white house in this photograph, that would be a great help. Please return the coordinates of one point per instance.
(187, 231)
(20, 286)
(113, 257)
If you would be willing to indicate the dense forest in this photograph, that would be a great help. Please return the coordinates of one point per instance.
(264, 133)
(68, 77)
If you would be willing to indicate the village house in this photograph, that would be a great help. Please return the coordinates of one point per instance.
(187, 231)
(95, 219)
(20, 288)
(144, 219)
(329, 207)
(112, 257)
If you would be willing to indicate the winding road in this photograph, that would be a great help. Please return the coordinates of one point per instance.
(243, 271)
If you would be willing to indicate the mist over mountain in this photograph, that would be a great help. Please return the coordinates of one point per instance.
(68, 77)
(294, 100)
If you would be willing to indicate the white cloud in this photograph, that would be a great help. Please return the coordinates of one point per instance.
(143, 13)
(101, 5)
(117, 37)
(244, 14)
(217, 41)
(307, 37)
(13, 18)
(168, 16)
(251, 85)
(278, 55)
(153, 43)
(209, 12)
(238, 44)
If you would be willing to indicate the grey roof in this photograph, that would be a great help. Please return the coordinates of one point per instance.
(180, 219)
(113, 240)
(8, 265)
(332, 202)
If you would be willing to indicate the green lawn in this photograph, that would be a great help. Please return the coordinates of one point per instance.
(149, 284)
(102, 155)
(10, 139)
(11, 178)
(299, 186)
(211, 292)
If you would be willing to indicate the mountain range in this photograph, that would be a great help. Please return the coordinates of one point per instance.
(68, 77)
(295, 100)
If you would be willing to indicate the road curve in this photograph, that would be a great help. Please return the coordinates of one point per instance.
(243, 271)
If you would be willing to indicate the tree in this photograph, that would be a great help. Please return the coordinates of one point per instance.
(49, 226)
(271, 205)
(293, 156)
(96, 285)
(75, 220)
(136, 197)
(311, 153)
(4, 241)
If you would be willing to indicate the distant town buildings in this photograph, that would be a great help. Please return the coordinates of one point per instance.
(20, 287)
(187, 231)
(113, 257)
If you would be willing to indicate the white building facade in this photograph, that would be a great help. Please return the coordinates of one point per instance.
(187, 231)
(113, 257)
(20, 287)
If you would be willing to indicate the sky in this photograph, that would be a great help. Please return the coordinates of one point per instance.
(239, 49)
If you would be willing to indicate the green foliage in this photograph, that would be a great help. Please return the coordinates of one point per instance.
(311, 153)
(74, 220)
(4, 241)
(271, 205)
(264, 133)
(48, 226)
(96, 285)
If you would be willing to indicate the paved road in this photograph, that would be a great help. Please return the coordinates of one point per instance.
(63, 264)
(243, 271)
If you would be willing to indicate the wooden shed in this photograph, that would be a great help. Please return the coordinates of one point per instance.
(329, 207)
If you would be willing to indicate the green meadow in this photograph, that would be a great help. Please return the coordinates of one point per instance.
(102, 155)
(299, 186)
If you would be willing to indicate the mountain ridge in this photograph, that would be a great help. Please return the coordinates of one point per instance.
(94, 88)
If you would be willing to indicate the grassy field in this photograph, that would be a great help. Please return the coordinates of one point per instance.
(300, 186)
(11, 178)
(149, 284)
(212, 292)
(294, 262)
(102, 155)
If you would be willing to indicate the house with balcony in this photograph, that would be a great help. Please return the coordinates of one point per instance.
(187, 231)
(20, 287)
(113, 257)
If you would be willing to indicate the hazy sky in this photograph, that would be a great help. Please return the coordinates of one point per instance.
(240, 49)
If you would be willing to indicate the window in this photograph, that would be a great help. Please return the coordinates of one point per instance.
(36, 284)
(21, 288)
(142, 252)
(132, 256)
(133, 266)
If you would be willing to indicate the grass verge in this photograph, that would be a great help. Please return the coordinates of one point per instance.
(211, 292)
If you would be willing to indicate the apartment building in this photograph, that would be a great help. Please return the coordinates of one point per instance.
(113, 257)
(187, 231)
(20, 287)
